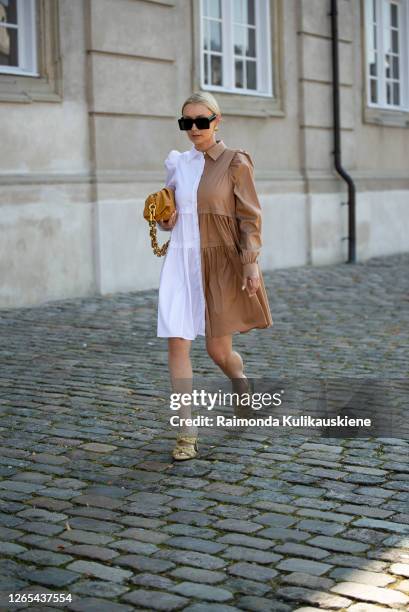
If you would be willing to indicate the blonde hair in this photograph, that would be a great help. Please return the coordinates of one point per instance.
(203, 97)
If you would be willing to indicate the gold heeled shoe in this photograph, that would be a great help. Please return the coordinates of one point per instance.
(186, 447)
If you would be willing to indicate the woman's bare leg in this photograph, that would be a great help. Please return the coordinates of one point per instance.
(220, 349)
(181, 377)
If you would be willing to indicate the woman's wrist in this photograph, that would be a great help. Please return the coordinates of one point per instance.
(251, 269)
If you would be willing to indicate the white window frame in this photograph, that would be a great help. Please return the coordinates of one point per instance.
(27, 40)
(263, 51)
(382, 11)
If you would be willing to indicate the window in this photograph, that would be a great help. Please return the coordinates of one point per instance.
(235, 46)
(30, 56)
(18, 49)
(387, 32)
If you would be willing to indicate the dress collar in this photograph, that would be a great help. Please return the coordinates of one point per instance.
(214, 151)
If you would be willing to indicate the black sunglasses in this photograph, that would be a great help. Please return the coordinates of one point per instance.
(202, 123)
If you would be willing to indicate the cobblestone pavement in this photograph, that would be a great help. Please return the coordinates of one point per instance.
(91, 505)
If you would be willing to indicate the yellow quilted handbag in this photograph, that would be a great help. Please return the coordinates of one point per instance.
(159, 206)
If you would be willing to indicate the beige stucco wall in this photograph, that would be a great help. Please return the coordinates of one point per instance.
(74, 174)
(46, 213)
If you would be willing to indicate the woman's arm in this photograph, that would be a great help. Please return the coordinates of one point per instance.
(248, 215)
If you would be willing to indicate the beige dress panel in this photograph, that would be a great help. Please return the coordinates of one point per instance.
(230, 222)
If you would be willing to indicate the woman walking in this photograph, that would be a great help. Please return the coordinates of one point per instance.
(210, 282)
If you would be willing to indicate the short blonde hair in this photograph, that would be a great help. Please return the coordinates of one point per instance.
(203, 97)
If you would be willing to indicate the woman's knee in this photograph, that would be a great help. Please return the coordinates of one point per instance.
(179, 347)
(219, 354)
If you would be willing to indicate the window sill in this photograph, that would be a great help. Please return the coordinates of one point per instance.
(384, 116)
(24, 89)
(249, 106)
(165, 2)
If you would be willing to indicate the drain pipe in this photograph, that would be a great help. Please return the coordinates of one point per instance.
(337, 139)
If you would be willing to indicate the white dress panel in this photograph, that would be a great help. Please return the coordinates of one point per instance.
(181, 301)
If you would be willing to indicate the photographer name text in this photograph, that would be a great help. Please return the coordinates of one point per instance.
(270, 421)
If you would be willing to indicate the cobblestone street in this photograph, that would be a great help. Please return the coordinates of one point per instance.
(91, 504)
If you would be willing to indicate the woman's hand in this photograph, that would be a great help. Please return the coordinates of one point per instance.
(169, 224)
(251, 279)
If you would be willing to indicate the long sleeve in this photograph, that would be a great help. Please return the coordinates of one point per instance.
(248, 209)
(170, 164)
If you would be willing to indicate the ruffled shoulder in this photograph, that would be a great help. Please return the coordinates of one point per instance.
(241, 164)
(172, 159)
(170, 164)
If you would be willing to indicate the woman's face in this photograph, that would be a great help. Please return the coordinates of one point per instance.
(200, 138)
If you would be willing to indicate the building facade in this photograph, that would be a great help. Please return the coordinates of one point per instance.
(90, 93)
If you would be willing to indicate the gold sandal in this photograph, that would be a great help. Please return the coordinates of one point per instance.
(186, 447)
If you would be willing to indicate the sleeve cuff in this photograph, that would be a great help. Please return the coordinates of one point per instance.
(248, 256)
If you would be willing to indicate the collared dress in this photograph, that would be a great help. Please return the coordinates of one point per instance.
(217, 232)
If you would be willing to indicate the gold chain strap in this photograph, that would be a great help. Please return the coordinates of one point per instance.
(159, 251)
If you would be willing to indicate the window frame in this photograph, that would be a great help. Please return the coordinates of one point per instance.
(46, 85)
(380, 112)
(27, 36)
(239, 103)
